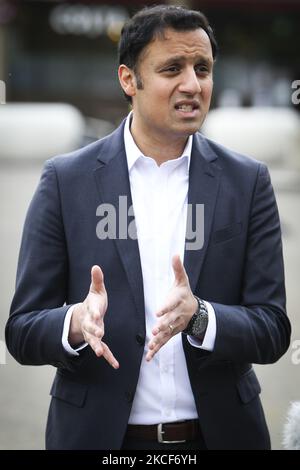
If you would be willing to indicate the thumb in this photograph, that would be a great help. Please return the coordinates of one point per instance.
(97, 280)
(179, 271)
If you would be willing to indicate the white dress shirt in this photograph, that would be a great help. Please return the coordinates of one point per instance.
(159, 196)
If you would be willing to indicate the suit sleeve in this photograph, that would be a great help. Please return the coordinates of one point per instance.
(257, 330)
(35, 325)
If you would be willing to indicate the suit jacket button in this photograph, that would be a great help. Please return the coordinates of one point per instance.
(140, 339)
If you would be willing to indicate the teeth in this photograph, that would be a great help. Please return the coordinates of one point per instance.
(185, 107)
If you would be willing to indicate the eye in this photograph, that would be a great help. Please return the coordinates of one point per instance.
(201, 68)
(172, 69)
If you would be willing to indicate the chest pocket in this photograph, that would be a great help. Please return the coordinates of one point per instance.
(228, 232)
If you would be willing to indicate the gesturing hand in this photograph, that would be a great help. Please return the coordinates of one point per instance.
(88, 318)
(177, 311)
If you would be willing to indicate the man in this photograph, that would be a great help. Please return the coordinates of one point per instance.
(156, 353)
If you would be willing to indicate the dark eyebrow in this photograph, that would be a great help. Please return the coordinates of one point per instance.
(181, 59)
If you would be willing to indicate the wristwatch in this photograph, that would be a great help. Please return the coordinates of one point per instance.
(199, 321)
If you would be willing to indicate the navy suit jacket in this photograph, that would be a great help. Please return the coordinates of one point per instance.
(239, 270)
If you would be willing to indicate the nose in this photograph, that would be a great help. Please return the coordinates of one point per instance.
(190, 83)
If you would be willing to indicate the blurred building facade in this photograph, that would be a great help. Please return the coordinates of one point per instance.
(66, 51)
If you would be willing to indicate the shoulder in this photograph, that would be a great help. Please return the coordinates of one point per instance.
(88, 157)
(232, 163)
(83, 158)
(225, 155)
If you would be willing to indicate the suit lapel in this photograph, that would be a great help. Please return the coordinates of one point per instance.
(204, 178)
(113, 181)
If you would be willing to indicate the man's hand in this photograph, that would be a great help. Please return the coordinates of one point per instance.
(179, 308)
(87, 323)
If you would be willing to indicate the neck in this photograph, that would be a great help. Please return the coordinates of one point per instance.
(161, 147)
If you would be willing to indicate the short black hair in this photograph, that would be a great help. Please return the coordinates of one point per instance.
(149, 22)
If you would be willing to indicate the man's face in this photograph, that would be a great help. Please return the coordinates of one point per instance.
(176, 75)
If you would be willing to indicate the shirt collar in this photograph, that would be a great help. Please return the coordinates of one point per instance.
(133, 153)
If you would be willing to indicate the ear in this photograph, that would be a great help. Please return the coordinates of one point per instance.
(127, 80)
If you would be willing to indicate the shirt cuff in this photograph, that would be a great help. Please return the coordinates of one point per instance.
(209, 339)
(65, 335)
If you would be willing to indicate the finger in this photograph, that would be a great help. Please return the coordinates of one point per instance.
(97, 280)
(101, 349)
(109, 357)
(159, 331)
(95, 344)
(179, 271)
(96, 307)
(154, 347)
(93, 329)
(156, 343)
(169, 307)
(150, 354)
(167, 328)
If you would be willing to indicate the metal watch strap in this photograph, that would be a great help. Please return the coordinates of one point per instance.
(198, 323)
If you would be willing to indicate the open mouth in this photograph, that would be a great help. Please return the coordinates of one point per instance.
(187, 107)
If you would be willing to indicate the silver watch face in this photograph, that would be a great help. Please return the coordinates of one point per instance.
(200, 324)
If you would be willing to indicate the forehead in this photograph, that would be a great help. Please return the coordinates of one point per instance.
(189, 44)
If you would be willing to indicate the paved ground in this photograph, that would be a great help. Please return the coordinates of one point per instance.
(24, 391)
